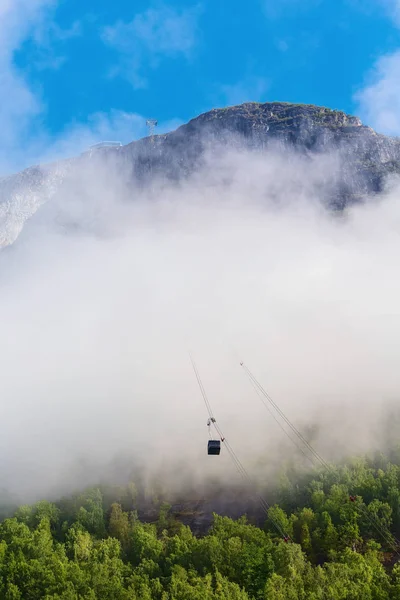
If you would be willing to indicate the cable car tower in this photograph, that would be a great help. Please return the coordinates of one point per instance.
(151, 124)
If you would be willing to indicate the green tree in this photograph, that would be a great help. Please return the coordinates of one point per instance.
(90, 514)
(118, 525)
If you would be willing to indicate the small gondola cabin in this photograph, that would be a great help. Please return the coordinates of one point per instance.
(214, 447)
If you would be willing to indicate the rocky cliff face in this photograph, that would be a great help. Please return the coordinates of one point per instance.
(365, 158)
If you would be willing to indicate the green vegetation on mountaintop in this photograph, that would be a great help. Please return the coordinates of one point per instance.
(277, 112)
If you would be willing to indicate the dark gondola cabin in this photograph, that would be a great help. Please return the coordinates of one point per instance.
(214, 447)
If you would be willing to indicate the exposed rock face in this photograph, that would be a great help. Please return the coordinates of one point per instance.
(365, 158)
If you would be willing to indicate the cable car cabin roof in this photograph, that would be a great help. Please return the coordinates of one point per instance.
(214, 447)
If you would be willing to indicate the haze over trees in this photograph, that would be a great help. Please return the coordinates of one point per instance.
(94, 546)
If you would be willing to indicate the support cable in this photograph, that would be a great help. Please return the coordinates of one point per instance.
(239, 466)
(386, 535)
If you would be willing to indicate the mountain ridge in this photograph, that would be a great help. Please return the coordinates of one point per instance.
(366, 157)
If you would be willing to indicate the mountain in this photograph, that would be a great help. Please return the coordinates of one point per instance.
(365, 158)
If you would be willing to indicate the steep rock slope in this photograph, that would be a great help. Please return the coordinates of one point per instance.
(365, 158)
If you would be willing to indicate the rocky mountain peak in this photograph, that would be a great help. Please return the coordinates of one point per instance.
(365, 157)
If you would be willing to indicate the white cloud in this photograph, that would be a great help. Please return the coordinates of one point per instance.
(21, 108)
(379, 101)
(116, 126)
(248, 89)
(45, 36)
(240, 259)
(392, 8)
(18, 18)
(149, 38)
(77, 136)
(24, 140)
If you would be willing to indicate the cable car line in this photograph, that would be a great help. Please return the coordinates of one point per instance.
(292, 427)
(280, 424)
(239, 466)
(386, 535)
(383, 534)
(203, 391)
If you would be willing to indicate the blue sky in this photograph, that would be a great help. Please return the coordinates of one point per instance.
(73, 73)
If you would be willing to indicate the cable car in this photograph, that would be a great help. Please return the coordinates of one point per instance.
(214, 447)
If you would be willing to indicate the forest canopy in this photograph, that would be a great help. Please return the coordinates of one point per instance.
(342, 526)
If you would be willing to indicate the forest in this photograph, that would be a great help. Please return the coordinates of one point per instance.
(341, 527)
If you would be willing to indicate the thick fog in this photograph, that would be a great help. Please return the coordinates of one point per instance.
(110, 286)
